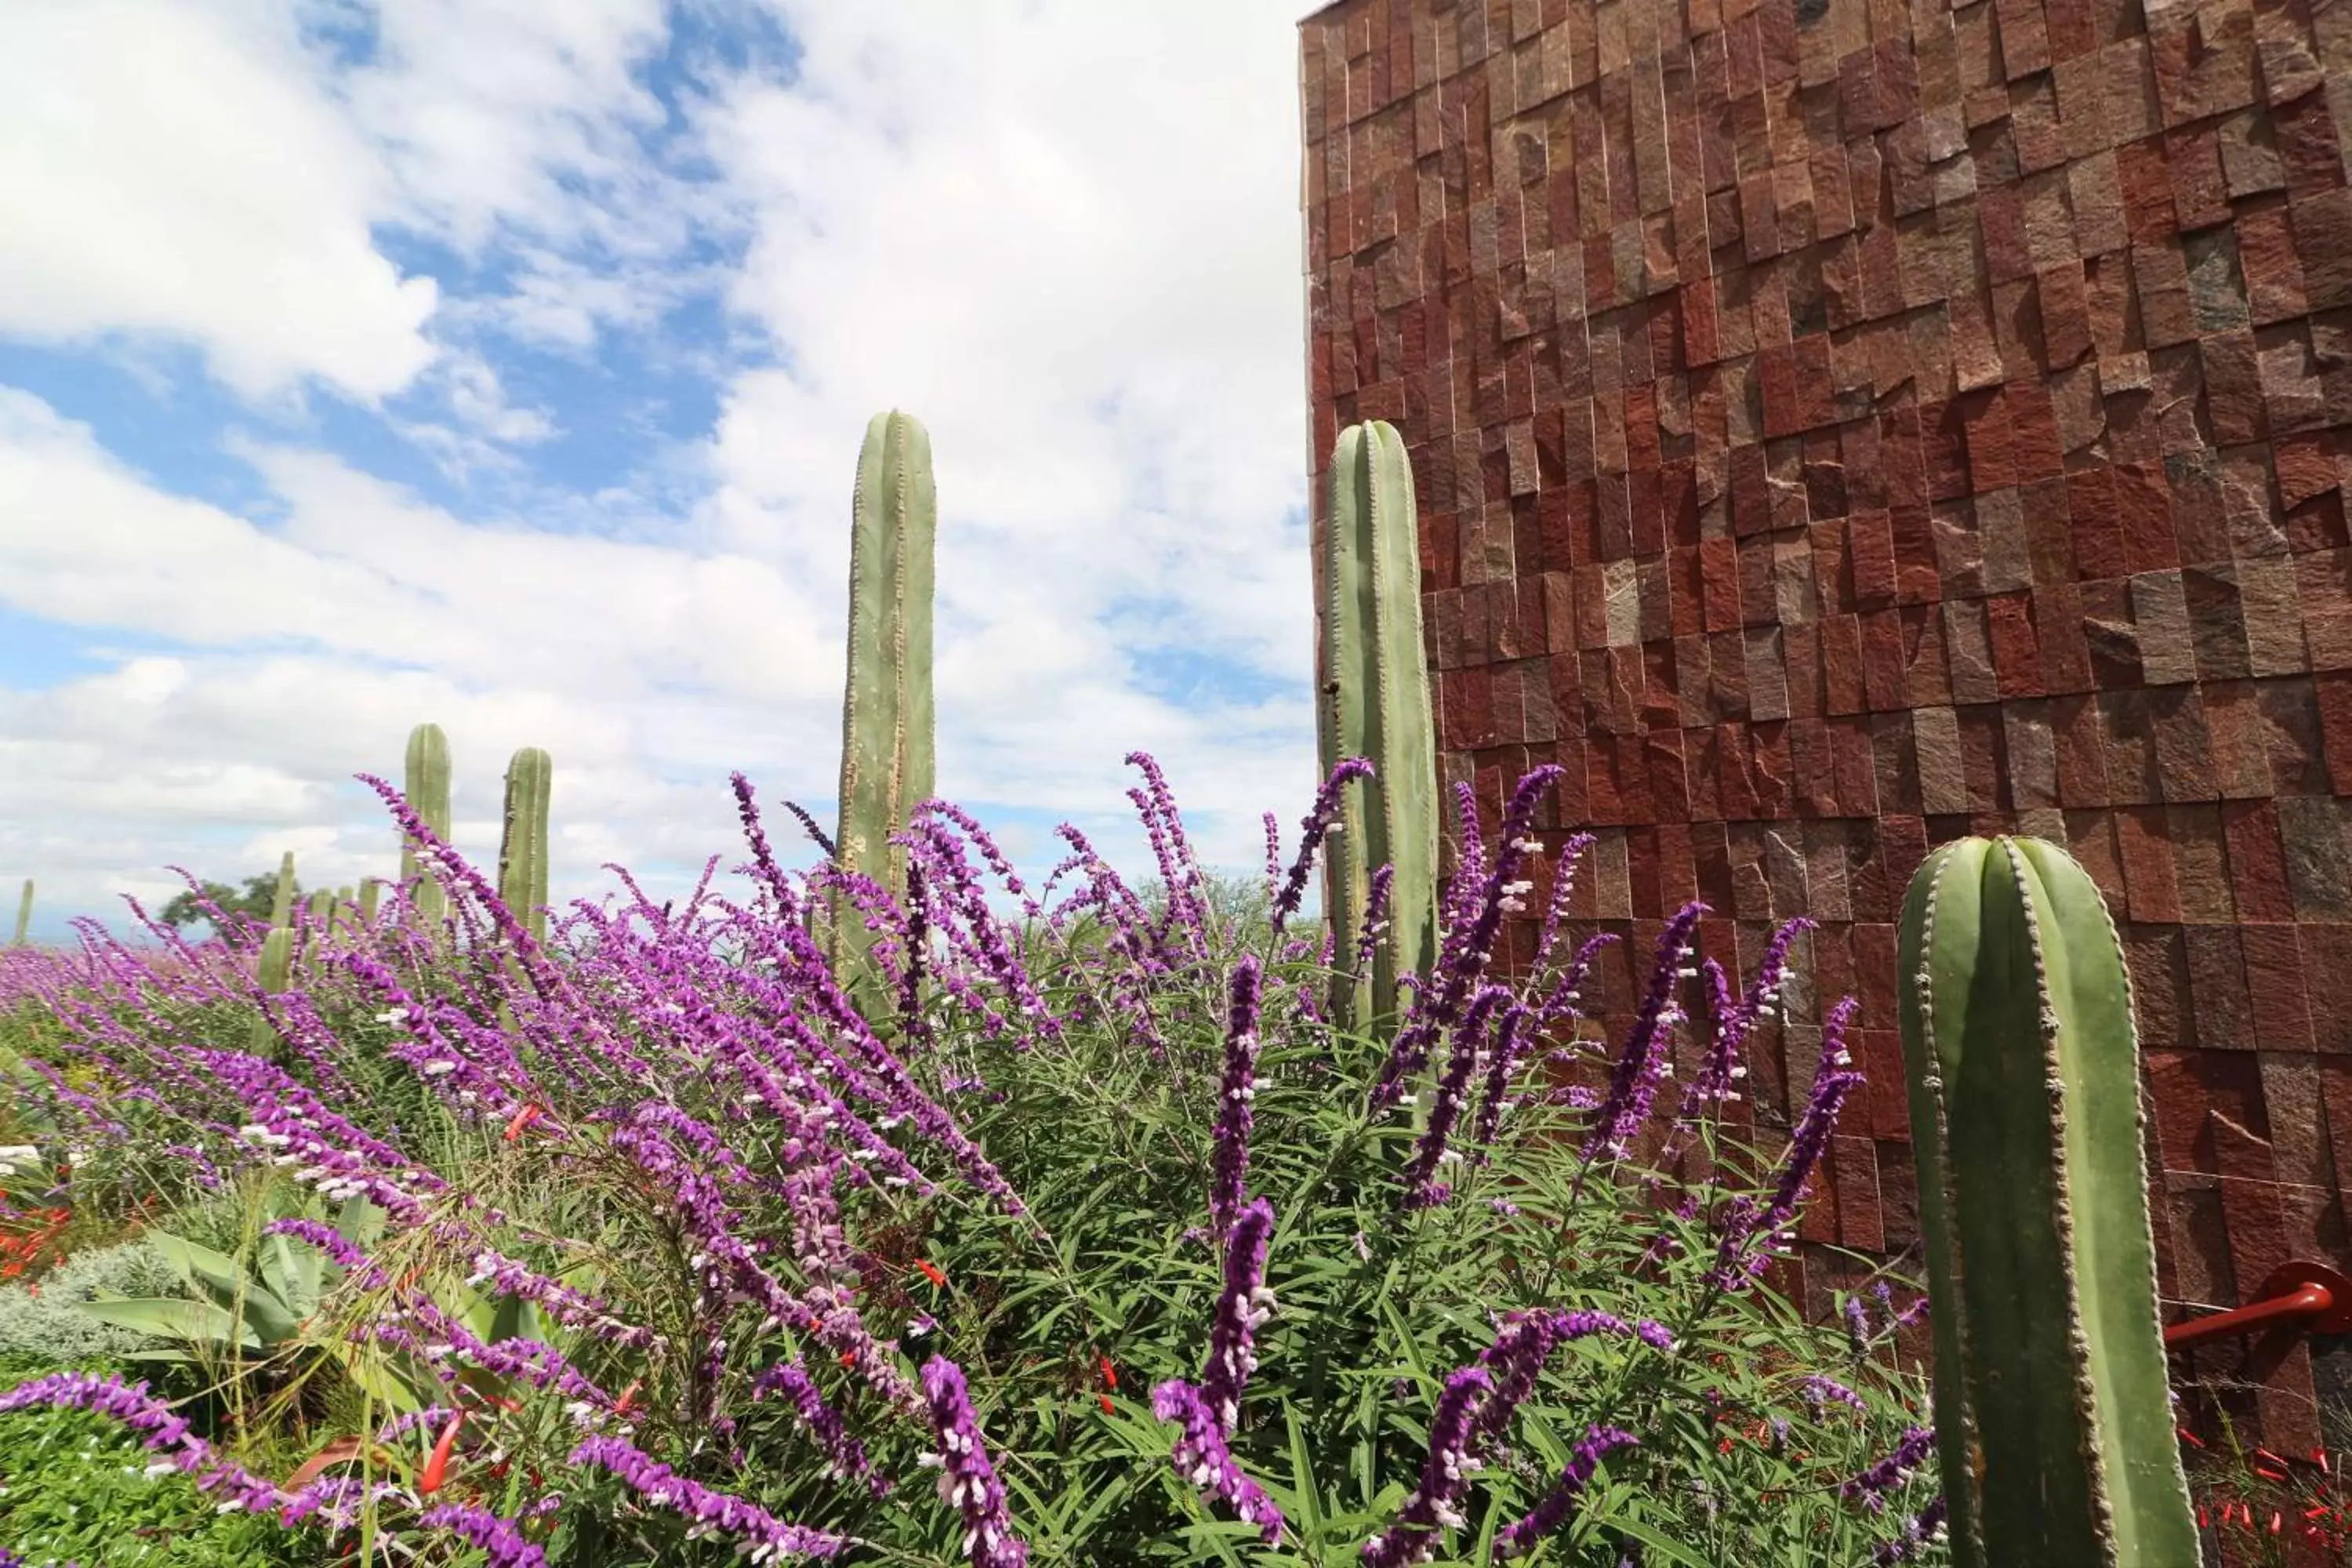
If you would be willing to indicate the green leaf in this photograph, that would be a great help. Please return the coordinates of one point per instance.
(1671, 1550)
(1303, 1488)
(200, 1322)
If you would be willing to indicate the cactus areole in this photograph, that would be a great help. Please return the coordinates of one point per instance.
(886, 727)
(2054, 1417)
(1374, 703)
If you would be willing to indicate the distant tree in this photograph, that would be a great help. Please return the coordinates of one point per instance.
(253, 899)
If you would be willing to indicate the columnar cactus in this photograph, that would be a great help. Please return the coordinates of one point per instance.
(1374, 703)
(2054, 1419)
(887, 729)
(427, 785)
(522, 852)
(369, 892)
(25, 914)
(274, 968)
(282, 902)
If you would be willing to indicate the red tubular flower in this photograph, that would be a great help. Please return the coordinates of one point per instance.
(522, 1119)
(931, 1272)
(1106, 1402)
(621, 1406)
(436, 1464)
(1110, 1373)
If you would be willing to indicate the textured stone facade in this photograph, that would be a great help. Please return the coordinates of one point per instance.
(1843, 425)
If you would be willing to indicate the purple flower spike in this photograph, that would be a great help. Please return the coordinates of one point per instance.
(1872, 1485)
(1229, 1163)
(496, 1538)
(1242, 1306)
(967, 1480)
(1751, 1233)
(1444, 1475)
(1523, 1536)
(1468, 1055)
(1313, 826)
(1201, 1457)
(845, 1454)
(1634, 1083)
(1923, 1530)
(760, 1533)
(1377, 893)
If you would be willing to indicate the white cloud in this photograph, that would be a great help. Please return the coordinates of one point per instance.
(175, 168)
(1065, 235)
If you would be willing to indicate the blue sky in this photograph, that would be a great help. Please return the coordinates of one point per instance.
(502, 363)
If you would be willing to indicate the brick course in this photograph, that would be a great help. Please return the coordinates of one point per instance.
(1845, 425)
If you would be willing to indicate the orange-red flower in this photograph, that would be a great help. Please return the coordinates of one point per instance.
(931, 1272)
(522, 1119)
(437, 1463)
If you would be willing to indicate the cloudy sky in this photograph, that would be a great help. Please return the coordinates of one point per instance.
(503, 362)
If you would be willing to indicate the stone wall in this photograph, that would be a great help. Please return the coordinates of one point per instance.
(1843, 425)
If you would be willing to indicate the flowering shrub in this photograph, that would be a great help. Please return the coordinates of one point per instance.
(1069, 1234)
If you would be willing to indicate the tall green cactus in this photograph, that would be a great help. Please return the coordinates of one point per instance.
(522, 849)
(1375, 704)
(25, 914)
(369, 892)
(282, 902)
(886, 726)
(2052, 1414)
(274, 969)
(427, 785)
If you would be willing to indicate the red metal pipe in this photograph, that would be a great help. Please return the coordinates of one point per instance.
(2308, 1297)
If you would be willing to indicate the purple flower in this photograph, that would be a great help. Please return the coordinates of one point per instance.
(1834, 1080)
(1241, 1307)
(1525, 1534)
(1820, 1391)
(1468, 1053)
(166, 1434)
(1563, 886)
(967, 1480)
(1635, 1082)
(1503, 1060)
(1470, 941)
(329, 1240)
(1445, 1473)
(495, 1538)
(1872, 1485)
(1377, 894)
(1922, 1529)
(846, 1455)
(1229, 1163)
(1317, 822)
(766, 1537)
(1201, 1457)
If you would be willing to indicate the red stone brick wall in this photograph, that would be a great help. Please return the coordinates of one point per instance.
(1843, 425)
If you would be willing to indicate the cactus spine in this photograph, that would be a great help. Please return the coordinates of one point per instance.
(25, 914)
(426, 784)
(1375, 704)
(2052, 1414)
(886, 727)
(522, 852)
